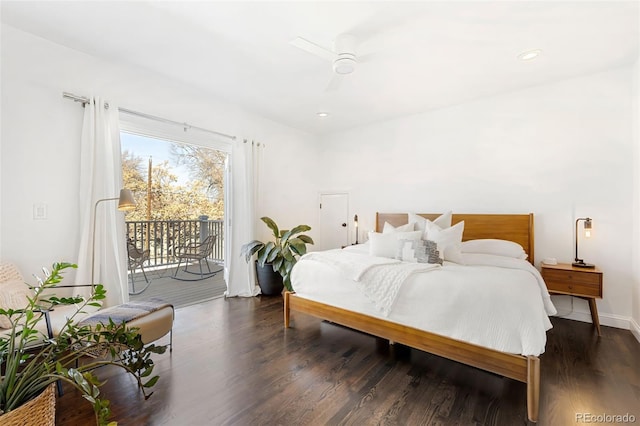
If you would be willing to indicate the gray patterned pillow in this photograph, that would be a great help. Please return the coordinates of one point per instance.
(418, 251)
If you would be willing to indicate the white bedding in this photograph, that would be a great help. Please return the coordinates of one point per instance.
(492, 301)
(378, 278)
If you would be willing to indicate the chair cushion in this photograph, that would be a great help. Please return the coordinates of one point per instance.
(154, 325)
(153, 318)
(8, 272)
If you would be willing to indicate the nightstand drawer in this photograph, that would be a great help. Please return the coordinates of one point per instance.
(572, 277)
(573, 288)
(573, 282)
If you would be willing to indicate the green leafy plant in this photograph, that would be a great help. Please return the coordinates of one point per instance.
(283, 252)
(31, 362)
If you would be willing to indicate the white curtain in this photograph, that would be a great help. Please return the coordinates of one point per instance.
(242, 196)
(101, 178)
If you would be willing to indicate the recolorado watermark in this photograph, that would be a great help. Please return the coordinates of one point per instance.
(605, 418)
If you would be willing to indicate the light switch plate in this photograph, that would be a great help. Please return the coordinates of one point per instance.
(39, 211)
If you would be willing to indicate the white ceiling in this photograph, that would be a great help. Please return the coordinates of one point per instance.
(420, 55)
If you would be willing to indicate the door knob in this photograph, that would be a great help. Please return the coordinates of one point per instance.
(344, 225)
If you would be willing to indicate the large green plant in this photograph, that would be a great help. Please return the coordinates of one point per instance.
(31, 362)
(283, 252)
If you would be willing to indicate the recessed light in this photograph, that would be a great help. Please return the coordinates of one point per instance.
(529, 55)
(323, 114)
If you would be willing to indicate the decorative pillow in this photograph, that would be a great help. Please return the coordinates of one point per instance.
(443, 221)
(497, 247)
(418, 251)
(13, 295)
(449, 240)
(385, 245)
(388, 228)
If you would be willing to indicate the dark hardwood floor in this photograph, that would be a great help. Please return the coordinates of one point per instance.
(234, 363)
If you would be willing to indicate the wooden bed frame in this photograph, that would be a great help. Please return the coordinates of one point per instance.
(518, 228)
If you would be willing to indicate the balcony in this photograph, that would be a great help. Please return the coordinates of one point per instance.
(163, 237)
(164, 240)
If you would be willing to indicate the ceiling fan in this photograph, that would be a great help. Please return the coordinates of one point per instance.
(343, 56)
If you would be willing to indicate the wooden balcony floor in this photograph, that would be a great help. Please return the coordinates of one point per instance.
(179, 292)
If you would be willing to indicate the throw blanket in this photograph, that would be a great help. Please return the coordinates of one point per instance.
(125, 312)
(379, 278)
(352, 265)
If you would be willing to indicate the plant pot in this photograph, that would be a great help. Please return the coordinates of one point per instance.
(270, 282)
(40, 411)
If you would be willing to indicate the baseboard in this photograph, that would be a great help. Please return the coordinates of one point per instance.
(574, 308)
(635, 328)
(609, 320)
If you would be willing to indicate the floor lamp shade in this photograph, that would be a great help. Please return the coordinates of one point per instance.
(126, 202)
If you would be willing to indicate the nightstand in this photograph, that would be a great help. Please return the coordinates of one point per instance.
(585, 283)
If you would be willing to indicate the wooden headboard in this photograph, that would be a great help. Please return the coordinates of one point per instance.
(512, 227)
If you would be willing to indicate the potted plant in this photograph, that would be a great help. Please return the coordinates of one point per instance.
(277, 256)
(32, 363)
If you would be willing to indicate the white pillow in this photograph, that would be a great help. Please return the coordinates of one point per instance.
(386, 245)
(449, 240)
(443, 221)
(402, 228)
(497, 247)
(13, 295)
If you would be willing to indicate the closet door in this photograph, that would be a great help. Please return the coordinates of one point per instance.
(334, 221)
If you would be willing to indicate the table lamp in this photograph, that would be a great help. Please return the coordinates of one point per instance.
(587, 233)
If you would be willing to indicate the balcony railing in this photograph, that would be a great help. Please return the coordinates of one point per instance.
(163, 237)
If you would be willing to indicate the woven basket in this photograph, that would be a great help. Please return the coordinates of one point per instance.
(40, 411)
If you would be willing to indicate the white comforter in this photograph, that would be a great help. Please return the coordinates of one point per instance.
(492, 301)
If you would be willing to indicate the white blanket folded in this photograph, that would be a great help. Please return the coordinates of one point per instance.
(379, 278)
(350, 264)
(382, 283)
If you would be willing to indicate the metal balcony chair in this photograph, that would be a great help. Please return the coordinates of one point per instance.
(137, 258)
(189, 253)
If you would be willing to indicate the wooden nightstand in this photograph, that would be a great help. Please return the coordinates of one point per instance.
(564, 278)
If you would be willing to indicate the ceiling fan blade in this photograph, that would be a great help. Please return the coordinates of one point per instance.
(334, 83)
(313, 48)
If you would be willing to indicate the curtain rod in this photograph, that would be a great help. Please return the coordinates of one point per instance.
(83, 100)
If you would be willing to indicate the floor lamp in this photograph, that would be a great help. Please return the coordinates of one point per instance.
(125, 203)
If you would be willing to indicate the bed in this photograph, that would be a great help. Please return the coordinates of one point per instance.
(508, 363)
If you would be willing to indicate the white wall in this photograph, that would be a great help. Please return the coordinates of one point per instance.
(635, 256)
(41, 136)
(560, 151)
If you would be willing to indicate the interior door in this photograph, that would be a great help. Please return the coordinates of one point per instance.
(334, 223)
